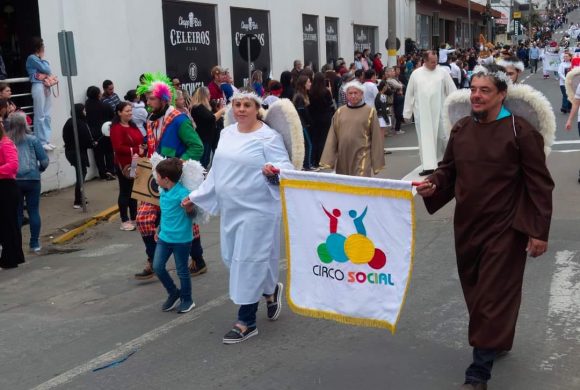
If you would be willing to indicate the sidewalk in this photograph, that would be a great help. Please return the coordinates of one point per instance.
(59, 217)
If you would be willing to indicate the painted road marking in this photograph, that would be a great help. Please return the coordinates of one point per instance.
(563, 307)
(401, 149)
(136, 343)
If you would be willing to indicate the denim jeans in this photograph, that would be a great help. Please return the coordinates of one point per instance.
(42, 104)
(124, 200)
(30, 190)
(196, 251)
(247, 314)
(480, 370)
(181, 255)
(307, 149)
(206, 156)
(566, 105)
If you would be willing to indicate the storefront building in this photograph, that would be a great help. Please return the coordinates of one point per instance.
(119, 40)
(446, 21)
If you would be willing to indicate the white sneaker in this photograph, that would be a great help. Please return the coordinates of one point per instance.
(47, 147)
(127, 226)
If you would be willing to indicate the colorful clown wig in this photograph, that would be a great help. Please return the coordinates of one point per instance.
(159, 85)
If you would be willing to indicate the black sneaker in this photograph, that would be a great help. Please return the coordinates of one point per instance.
(275, 306)
(186, 306)
(236, 335)
(147, 272)
(171, 302)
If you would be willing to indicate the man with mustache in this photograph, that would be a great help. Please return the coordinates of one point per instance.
(495, 168)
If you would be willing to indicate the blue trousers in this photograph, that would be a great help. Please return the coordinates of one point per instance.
(42, 103)
(181, 255)
(30, 191)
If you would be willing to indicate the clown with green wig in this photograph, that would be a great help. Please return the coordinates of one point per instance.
(170, 133)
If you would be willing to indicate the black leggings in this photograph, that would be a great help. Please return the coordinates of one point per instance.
(125, 201)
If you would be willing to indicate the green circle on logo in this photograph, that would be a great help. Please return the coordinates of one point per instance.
(323, 253)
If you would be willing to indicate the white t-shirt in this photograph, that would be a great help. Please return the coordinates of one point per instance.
(455, 72)
(443, 55)
(371, 92)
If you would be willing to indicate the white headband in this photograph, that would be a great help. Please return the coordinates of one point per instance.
(247, 95)
(500, 75)
(519, 65)
(354, 84)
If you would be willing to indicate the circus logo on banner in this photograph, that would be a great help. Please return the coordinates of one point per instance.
(349, 240)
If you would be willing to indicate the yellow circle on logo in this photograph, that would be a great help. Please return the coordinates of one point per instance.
(359, 249)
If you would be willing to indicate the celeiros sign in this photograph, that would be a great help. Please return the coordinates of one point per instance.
(189, 37)
(180, 37)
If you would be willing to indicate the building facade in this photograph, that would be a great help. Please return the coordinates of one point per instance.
(447, 21)
(119, 40)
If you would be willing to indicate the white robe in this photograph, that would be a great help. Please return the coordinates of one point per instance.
(426, 93)
(250, 209)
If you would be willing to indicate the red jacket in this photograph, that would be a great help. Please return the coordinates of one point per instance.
(125, 141)
(378, 65)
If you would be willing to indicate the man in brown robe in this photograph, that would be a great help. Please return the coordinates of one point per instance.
(494, 166)
(354, 145)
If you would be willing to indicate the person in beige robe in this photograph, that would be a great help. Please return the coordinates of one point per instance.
(354, 145)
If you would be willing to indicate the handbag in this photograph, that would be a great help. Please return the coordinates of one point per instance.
(126, 169)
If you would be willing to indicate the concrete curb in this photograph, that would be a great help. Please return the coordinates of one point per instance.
(84, 225)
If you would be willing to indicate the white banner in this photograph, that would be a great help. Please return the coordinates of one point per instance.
(551, 62)
(350, 243)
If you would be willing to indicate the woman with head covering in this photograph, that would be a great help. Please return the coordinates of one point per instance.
(238, 188)
(10, 237)
(32, 160)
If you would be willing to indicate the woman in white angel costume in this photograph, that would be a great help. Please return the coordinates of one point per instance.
(241, 188)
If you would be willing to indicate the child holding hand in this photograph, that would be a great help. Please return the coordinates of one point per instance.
(174, 235)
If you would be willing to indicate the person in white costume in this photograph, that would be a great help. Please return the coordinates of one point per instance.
(241, 188)
(427, 89)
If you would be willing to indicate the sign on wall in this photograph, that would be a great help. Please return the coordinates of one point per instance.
(250, 21)
(331, 39)
(364, 38)
(191, 48)
(310, 40)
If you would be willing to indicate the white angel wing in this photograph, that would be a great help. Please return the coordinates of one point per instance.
(456, 106)
(522, 100)
(572, 82)
(155, 159)
(229, 116)
(530, 104)
(283, 117)
(191, 178)
(193, 175)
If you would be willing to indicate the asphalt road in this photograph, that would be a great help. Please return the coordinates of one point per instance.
(64, 315)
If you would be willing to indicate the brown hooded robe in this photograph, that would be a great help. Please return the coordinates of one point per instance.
(497, 173)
